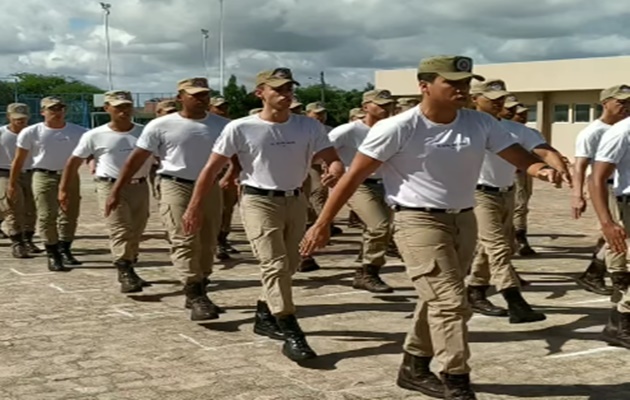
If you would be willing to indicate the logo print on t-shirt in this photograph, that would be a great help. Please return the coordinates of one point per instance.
(458, 144)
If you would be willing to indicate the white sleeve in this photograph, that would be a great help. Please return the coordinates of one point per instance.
(531, 139)
(584, 147)
(85, 148)
(337, 136)
(25, 139)
(383, 141)
(612, 147)
(227, 144)
(150, 138)
(498, 137)
(320, 139)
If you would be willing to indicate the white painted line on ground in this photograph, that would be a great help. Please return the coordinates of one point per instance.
(122, 312)
(593, 301)
(304, 384)
(62, 290)
(587, 352)
(37, 274)
(340, 294)
(196, 343)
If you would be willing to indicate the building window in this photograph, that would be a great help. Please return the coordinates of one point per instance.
(532, 113)
(582, 113)
(561, 113)
(599, 109)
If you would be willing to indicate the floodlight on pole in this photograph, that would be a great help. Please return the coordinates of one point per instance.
(205, 34)
(106, 11)
(221, 54)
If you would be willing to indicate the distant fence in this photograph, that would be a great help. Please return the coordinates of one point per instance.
(80, 108)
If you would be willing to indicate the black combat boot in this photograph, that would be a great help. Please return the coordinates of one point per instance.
(620, 282)
(133, 272)
(265, 323)
(392, 250)
(201, 308)
(129, 281)
(480, 303)
(522, 244)
(308, 264)
(18, 247)
(519, 309)
(415, 374)
(457, 387)
(30, 246)
(592, 279)
(617, 331)
(295, 346)
(367, 278)
(204, 283)
(55, 260)
(66, 253)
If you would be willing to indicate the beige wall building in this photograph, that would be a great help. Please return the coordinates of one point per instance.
(563, 95)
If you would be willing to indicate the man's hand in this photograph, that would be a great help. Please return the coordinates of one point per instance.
(11, 193)
(615, 237)
(227, 182)
(578, 206)
(330, 179)
(316, 237)
(111, 204)
(63, 199)
(548, 174)
(191, 220)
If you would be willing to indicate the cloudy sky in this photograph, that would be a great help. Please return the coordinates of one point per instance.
(156, 42)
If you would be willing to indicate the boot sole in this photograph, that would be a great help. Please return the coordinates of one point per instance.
(491, 314)
(131, 290)
(270, 335)
(405, 384)
(359, 287)
(304, 357)
(207, 318)
(514, 320)
(593, 289)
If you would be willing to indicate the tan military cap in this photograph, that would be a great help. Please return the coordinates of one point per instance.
(275, 78)
(118, 97)
(521, 109)
(315, 107)
(407, 102)
(378, 96)
(511, 101)
(166, 105)
(356, 113)
(491, 88)
(193, 85)
(50, 101)
(452, 68)
(218, 101)
(18, 110)
(619, 92)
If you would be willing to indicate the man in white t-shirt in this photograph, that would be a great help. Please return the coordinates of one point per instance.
(615, 105)
(430, 157)
(368, 202)
(273, 207)
(612, 154)
(494, 198)
(183, 141)
(50, 144)
(20, 214)
(110, 145)
(296, 106)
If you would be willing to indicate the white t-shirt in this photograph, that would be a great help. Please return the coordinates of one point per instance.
(434, 165)
(110, 150)
(588, 139)
(613, 149)
(182, 144)
(50, 148)
(8, 144)
(347, 138)
(274, 156)
(499, 173)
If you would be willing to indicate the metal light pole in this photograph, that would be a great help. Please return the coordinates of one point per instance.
(106, 10)
(205, 34)
(323, 87)
(221, 54)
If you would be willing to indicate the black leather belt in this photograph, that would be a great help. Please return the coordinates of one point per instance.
(113, 180)
(176, 179)
(373, 181)
(611, 181)
(433, 210)
(493, 189)
(47, 171)
(624, 198)
(271, 193)
(6, 170)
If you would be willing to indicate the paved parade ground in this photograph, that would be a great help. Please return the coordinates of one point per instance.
(74, 336)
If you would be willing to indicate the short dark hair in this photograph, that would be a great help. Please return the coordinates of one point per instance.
(427, 76)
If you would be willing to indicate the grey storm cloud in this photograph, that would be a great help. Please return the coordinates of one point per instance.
(157, 42)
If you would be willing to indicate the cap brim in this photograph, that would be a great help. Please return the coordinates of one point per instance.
(219, 104)
(621, 96)
(276, 83)
(521, 110)
(115, 103)
(295, 105)
(494, 95)
(458, 76)
(195, 90)
(54, 104)
(166, 109)
(510, 104)
(17, 115)
(318, 110)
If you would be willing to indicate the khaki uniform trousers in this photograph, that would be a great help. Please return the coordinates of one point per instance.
(127, 222)
(368, 202)
(493, 259)
(615, 214)
(19, 215)
(523, 185)
(54, 224)
(315, 192)
(154, 181)
(618, 262)
(230, 198)
(193, 255)
(437, 249)
(275, 226)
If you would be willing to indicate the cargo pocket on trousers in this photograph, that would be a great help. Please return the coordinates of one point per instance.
(420, 273)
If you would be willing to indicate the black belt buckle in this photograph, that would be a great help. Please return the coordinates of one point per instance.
(373, 181)
(176, 179)
(493, 189)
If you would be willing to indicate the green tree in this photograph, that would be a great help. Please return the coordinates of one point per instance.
(240, 100)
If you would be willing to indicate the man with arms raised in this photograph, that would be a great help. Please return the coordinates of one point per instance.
(433, 155)
(273, 207)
